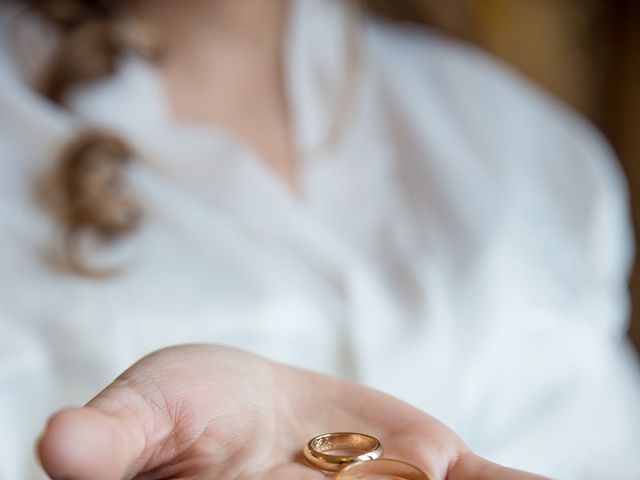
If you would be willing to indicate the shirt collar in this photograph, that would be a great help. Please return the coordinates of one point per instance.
(321, 62)
(318, 50)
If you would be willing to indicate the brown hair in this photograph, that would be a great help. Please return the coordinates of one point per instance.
(87, 191)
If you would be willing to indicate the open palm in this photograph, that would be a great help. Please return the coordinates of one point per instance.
(207, 412)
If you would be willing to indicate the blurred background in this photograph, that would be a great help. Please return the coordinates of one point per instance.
(587, 52)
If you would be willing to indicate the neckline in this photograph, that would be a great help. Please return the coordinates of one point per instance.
(314, 64)
(318, 59)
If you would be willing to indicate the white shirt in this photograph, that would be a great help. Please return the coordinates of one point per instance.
(460, 241)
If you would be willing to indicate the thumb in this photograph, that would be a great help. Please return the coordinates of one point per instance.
(87, 443)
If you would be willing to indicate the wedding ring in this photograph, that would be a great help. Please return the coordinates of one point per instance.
(332, 451)
(382, 467)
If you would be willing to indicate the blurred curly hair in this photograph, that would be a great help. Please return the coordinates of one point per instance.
(88, 189)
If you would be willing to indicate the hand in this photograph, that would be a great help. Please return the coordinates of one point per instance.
(207, 412)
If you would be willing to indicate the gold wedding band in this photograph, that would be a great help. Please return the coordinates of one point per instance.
(332, 451)
(380, 467)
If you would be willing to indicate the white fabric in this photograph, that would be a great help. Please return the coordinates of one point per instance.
(463, 245)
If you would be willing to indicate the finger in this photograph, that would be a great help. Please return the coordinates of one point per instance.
(149, 416)
(86, 443)
(473, 467)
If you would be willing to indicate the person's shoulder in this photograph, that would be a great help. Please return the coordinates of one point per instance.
(485, 124)
(459, 73)
(457, 87)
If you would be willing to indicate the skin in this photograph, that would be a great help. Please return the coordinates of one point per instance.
(206, 412)
(202, 412)
(222, 65)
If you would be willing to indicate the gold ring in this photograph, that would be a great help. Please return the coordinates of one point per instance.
(382, 466)
(332, 451)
